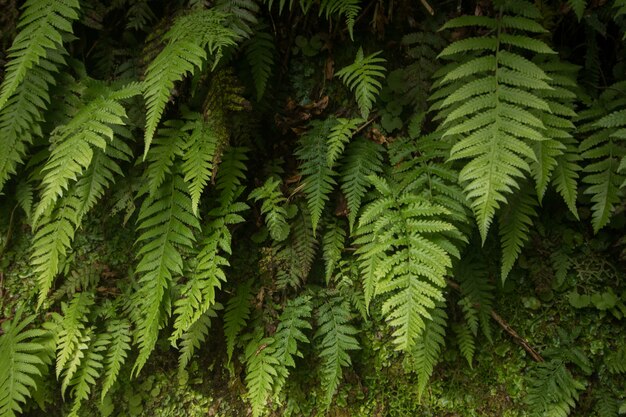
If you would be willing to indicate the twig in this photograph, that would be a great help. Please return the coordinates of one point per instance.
(505, 326)
(428, 7)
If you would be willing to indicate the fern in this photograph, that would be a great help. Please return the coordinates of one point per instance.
(90, 127)
(333, 244)
(187, 41)
(42, 27)
(363, 158)
(337, 339)
(117, 352)
(293, 321)
(403, 257)
(566, 174)
(273, 208)
(20, 363)
(168, 145)
(236, 315)
(477, 290)
(261, 370)
(199, 152)
(194, 336)
(348, 8)
(515, 223)
(340, 134)
(466, 341)
(318, 177)
(616, 361)
(167, 224)
(552, 390)
(362, 78)
(260, 52)
(241, 15)
(424, 355)
(578, 6)
(486, 101)
(72, 332)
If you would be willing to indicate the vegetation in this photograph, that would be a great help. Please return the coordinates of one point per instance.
(334, 207)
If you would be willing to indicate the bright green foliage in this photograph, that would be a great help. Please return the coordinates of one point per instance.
(333, 244)
(466, 341)
(400, 259)
(168, 145)
(236, 315)
(273, 208)
(424, 355)
(260, 372)
(199, 153)
(43, 24)
(90, 127)
(566, 173)
(515, 222)
(187, 42)
(293, 322)
(72, 331)
(477, 291)
(603, 152)
(195, 336)
(20, 362)
(488, 102)
(606, 405)
(117, 352)
(552, 390)
(260, 50)
(337, 339)
(363, 158)
(362, 78)
(340, 134)
(317, 175)
(167, 225)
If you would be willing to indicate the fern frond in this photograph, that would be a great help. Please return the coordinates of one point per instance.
(167, 224)
(337, 340)
(194, 337)
(117, 352)
(515, 223)
(273, 208)
(168, 145)
(473, 276)
(236, 315)
(333, 244)
(402, 256)
(552, 390)
(363, 158)
(423, 357)
(260, 50)
(339, 136)
(318, 177)
(491, 104)
(187, 41)
(362, 77)
(293, 321)
(348, 8)
(241, 16)
(20, 362)
(90, 368)
(41, 28)
(200, 150)
(578, 6)
(466, 341)
(261, 369)
(72, 330)
(566, 174)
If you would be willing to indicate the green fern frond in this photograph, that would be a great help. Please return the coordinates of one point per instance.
(423, 357)
(552, 390)
(578, 6)
(362, 77)
(20, 362)
(333, 244)
(199, 153)
(566, 174)
(72, 330)
(616, 361)
(466, 341)
(489, 103)
(236, 315)
(261, 370)
(293, 321)
(88, 372)
(515, 223)
(187, 41)
(91, 127)
(363, 158)
(473, 276)
(339, 136)
(194, 336)
(318, 177)
(337, 340)
(241, 16)
(41, 28)
(606, 404)
(260, 50)
(168, 145)
(166, 224)
(231, 173)
(348, 8)
(273, 208)
(402, 256)
(117, 352)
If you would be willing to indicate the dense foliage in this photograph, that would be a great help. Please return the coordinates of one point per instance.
(300, 184)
